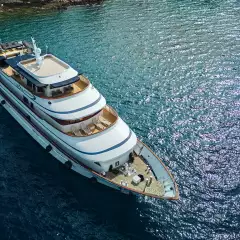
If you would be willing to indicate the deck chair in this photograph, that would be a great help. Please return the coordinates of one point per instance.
(86, 130)
(104, 121)
(98, 124)
(76, 131)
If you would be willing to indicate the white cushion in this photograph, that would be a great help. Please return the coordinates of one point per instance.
(136, 179)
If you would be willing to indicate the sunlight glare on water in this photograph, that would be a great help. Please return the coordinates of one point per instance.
(171, 70)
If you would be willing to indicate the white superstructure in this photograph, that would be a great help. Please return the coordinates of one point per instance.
(51, 98)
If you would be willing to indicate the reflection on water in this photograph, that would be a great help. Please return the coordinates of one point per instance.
(171, 69)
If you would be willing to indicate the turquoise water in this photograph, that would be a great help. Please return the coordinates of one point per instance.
(171, 69)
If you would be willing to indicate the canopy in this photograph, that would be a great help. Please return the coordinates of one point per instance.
(64, 83)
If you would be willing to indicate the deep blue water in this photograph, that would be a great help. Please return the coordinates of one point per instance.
(171, 69)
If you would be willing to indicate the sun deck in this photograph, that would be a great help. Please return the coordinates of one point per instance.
(120, 177)
(50, 66)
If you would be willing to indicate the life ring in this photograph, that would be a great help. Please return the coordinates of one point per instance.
(68, 164)
(48, 148)
(3, 102)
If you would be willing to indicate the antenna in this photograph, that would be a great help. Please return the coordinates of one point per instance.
(37, 52)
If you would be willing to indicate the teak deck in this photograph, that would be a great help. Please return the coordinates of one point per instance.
(50, 66)
(155, 188)
(106, 120)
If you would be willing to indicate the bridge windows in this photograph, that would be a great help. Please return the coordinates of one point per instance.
(25, 100)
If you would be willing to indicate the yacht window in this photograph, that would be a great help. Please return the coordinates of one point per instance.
(40, 89)
(97, 163)
(25, 100)
(117, 164)
(31, 104)
(110, 168)
(29, 84)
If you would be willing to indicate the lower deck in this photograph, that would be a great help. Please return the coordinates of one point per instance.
(103, 120)
(122, 177)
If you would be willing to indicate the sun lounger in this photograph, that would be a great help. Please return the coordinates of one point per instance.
(87, 130)
(98, 124)
(104, 121)
(77, 132)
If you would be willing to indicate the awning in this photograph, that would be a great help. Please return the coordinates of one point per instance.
(13, 62)
(64, 83)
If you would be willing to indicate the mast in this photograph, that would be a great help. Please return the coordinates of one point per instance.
(37, 52)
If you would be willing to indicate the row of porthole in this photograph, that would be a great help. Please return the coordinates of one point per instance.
(68, 164)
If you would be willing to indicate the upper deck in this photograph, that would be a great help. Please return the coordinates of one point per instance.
(75, 96)
(45, 76)
(47, 70)
(66, 91)
(50, 66)
(13, 49)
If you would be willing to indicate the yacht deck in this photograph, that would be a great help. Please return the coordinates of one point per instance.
(50, 66)
(76, 87)
(155, 188)
(94, 125)
(12, 52)
(8, 71)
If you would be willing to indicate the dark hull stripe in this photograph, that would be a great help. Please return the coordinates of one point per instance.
(75, 110)
(87, 153)
(37, 129)
(66, 112)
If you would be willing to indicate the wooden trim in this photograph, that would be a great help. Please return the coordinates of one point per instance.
(165, 167)
(116, 115)
(96, 173)
(143, 193)
(70, 94)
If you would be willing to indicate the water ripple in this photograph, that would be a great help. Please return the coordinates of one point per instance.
(171, 69)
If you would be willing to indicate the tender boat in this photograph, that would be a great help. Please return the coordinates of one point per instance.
(69, 118)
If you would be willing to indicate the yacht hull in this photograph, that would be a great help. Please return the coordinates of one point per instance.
(15, 110)
(21, 113)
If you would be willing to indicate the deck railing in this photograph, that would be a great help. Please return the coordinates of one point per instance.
(84, 79)
(111, 110)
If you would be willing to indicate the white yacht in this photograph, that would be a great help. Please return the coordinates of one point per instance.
(69, 118)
